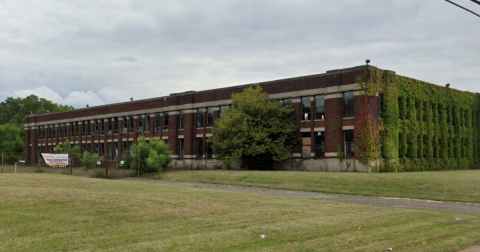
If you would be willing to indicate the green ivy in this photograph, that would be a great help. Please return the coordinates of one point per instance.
(425, 127)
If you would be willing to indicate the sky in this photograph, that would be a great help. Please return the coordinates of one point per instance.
(105, 51)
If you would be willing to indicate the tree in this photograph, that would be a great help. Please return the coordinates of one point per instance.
(14, 110)
(10, 138)
(257, 130)
(89, 160)
(73, 152)
(154, 155)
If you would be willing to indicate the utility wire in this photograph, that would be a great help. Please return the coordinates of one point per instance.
(465, 8)
(476, 1)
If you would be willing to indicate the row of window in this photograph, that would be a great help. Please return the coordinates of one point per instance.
(319, 144)
(204, 118)
(199, 149)
(319, 111)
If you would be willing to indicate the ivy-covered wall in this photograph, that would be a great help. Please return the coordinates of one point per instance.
(425, 127)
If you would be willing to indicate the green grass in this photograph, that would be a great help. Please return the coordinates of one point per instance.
(445, 185)
(51, 212)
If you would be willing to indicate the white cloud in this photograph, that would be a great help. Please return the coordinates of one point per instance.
(145, 49)
(75, 98)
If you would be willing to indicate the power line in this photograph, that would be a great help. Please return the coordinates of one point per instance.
(466, 8)
(475, 1)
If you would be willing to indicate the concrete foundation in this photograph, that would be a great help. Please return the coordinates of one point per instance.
(331, 164)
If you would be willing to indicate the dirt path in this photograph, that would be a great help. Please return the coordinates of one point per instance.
(457, 207)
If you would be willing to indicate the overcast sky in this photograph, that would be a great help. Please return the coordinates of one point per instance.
(106, 51)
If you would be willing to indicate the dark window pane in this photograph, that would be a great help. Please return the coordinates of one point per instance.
(287, 102)
(199, 147)
(200, 118)
(165, 120)
(147, 122)
(181, 116)
(348, 104)
(320, 144)
(306, 108)
(348, 142)
(210, 117)
(319, 107)
(181, 148)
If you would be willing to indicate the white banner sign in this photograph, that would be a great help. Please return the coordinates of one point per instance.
(56, 160)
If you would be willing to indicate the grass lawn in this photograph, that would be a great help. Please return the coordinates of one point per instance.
(442, 185)
(51, 212)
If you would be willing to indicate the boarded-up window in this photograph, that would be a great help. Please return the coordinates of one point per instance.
(306, 144)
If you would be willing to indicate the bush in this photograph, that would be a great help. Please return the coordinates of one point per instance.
(11, 159)
(89, 160)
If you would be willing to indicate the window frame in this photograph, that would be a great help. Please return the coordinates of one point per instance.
(319, 110)
(348, 104)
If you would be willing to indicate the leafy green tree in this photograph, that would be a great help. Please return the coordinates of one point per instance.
(159, 155)
(154, 155)
(10, 138)
(257, 130)
(14, 110)
(89, 160)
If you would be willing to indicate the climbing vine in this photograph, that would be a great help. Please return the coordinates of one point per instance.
(424, 127)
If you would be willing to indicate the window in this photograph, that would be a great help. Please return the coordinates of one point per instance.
(147, 122)
(115, 150)
(348, 142)
(319, 107)
(319, 144)
(109, 149)
(181, 119)
(76, 128)
(165, 120)
(115, 125)
(101, 126)
(87, 125)
(49, 131)
(306, 109)
(88, 148)
(209, 150)
(96, 148)
(84, 128)
(130, 123)
(157, 120)
(97, 129)
(223, 109)
(306, 144)
(181, 148)
(210, 117)
(348, 104)
(140, 121)
(110, 125)
(287, 102)
(125, 123)
(199, 147)
(102, 150)
(71, 129)
(124, 147)
(64, 130)
(200, 119)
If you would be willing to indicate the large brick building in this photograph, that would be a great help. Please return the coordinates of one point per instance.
(325, 107)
